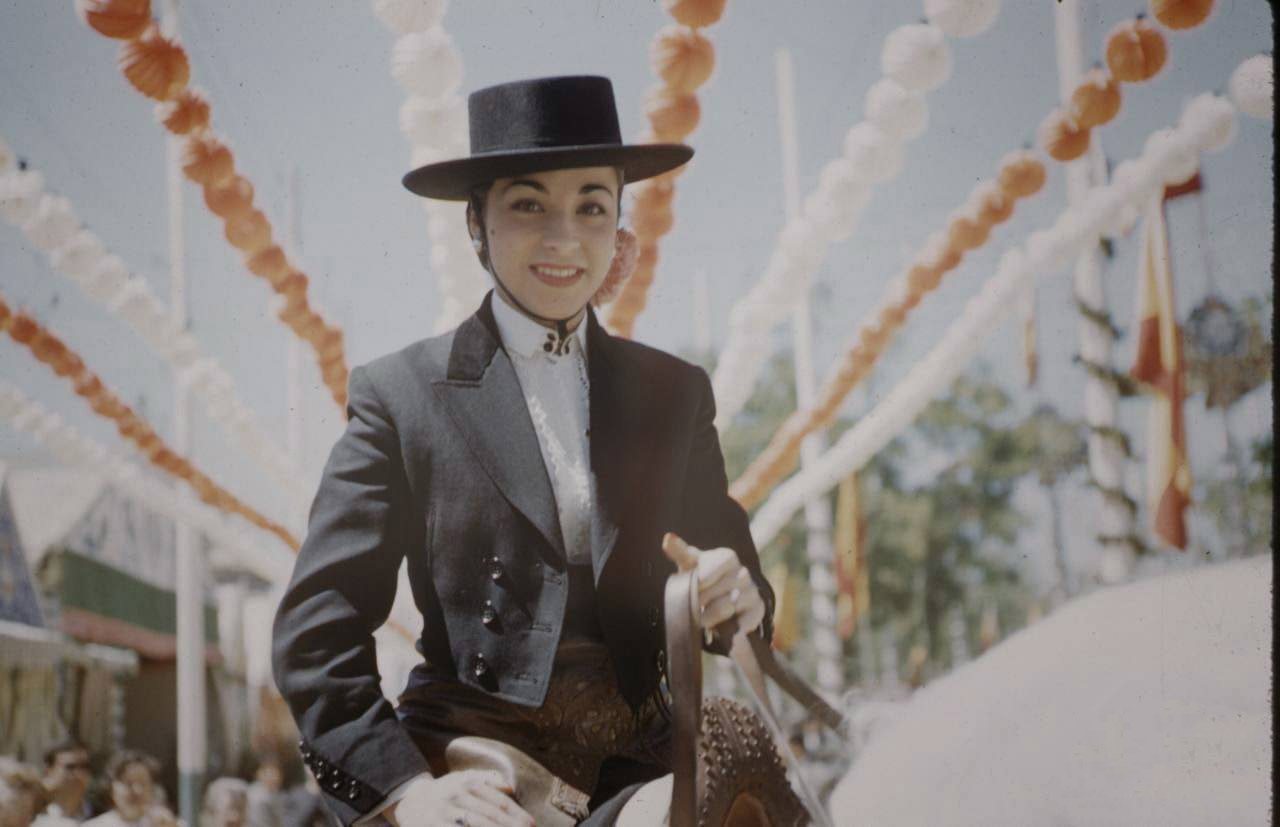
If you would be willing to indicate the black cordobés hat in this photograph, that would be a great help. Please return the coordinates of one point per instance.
(541, 124)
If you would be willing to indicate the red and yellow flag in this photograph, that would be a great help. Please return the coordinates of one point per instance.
(852, 588)
(1159, 365)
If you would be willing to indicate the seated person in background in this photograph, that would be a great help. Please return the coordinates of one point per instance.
(226, 803)
(67, 773)
(21, 793)
(132, 776)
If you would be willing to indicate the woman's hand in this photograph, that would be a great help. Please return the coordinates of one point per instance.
(725, 588)
(475, 798)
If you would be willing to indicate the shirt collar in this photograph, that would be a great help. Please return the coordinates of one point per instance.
(523, 335)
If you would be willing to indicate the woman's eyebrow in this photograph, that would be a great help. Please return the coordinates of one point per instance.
(528, 182)
(586, 188)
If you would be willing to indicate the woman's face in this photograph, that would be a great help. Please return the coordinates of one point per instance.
(551, 236)
(133, 792)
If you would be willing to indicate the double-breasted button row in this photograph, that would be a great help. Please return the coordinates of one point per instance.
(479, 666)
(489, 614)
(496, 571)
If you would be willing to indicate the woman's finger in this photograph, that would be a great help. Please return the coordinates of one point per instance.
(506, 804)
(480, 813)
(679, 552)
(717, 612)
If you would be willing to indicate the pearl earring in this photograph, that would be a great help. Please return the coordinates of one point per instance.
(477, 244)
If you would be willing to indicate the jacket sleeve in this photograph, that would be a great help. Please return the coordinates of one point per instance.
(711, 518)
(343, 585)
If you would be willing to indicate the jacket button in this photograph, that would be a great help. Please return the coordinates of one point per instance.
(488, 615)
(481, 666)
(354, 791)
(495, 569)
(660, 660)
(653, 616)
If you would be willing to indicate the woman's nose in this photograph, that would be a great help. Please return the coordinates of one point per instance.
(560, 237)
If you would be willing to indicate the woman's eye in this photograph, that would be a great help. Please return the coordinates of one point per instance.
(592, 208)
(526, 205)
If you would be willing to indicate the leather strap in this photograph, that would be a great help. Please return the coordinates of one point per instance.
(684, 679)
(755, 660)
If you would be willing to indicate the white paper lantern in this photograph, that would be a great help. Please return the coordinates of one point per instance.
(840, 179)
(1048, 251)
(408, 16)
(917, 57)
(109, 276)
(12, 401)
(79, 256)
(1211, 119)
(962, 18)
(1122, 223)
(836, 217)
(52, 224)
(131, 301)
(1252, 85)
(426, 63)
(898, 112)
(873, 153)
(803, 244)
(20, 191)
(7, 158)
(434, 122)
(1169, 151)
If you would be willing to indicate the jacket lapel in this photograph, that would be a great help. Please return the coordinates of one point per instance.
(616, 441)
(483, 397)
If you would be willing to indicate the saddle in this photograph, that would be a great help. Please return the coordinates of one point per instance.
(729, 763)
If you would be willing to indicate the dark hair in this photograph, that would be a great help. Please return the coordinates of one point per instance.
(69, 745)
(122, 760)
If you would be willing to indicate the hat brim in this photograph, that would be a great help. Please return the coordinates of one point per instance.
(453, 180)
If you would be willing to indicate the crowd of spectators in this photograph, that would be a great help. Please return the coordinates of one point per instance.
(127, 793)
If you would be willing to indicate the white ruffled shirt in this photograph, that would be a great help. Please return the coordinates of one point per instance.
(556, 390)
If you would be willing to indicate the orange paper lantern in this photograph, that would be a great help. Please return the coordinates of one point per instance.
(155, 65)
(250, 232)
(232, 198)
(993, 207)
(921, 279)
(653, 194)
(673, 115)
(1136, 51)
(683, 58)
(269, 263)
(966, 233)
(188, 113)
(88, 385)
(892, 316)
(46, 347)
(294, 287)
(23, 328)
(120, 19)
(6, 315)
(1062, 138)
(1021, 174)
(1096, 100)
(652, 223)
(1181, 14)
(69, 364)
(694, 13)
(207, 161)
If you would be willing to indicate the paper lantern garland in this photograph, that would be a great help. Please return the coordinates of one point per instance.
(968, 228)
(80, 255)
(1200, 129)
(50, 350)
(683, 58)
(157, 67)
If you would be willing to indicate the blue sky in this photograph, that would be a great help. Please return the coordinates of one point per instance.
(306, 87)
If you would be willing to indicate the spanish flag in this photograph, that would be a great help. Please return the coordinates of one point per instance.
(852, 589)
(1159, 365)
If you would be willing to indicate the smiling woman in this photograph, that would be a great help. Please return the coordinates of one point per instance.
(528, 466)
(548, 238)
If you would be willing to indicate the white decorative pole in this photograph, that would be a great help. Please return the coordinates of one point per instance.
(1106, 456)
(817, 512)
(189, 588)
